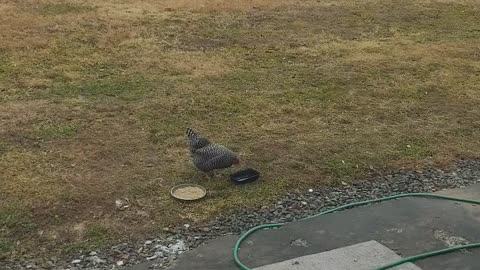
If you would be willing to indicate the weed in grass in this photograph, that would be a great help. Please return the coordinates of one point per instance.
(3, 149)
(57, 131)
(341, 169)
(5, 247)
(63, 8)
(128, 90)
(416, 150)
(98, 234)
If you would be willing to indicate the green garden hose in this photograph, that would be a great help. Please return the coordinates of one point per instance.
(391, 265)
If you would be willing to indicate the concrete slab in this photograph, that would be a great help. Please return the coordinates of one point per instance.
(471, 192)
(364, 256)
(409, 226)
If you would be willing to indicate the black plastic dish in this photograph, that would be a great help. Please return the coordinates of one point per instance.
(245, 176)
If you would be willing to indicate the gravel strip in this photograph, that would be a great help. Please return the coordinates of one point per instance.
(164, 251)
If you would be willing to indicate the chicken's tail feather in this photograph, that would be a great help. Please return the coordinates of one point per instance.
(190, 132)
(195, 141)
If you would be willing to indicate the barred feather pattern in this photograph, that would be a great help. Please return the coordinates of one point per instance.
(207, 156)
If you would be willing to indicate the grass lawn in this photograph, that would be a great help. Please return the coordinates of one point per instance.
(95, 97)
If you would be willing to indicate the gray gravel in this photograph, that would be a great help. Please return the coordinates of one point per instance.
(164, 250)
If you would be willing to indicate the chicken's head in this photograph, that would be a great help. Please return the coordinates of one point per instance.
(236, 161)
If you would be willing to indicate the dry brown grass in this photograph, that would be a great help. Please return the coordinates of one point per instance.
(95, 97)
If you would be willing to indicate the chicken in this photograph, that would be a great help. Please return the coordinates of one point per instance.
(207, 156)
